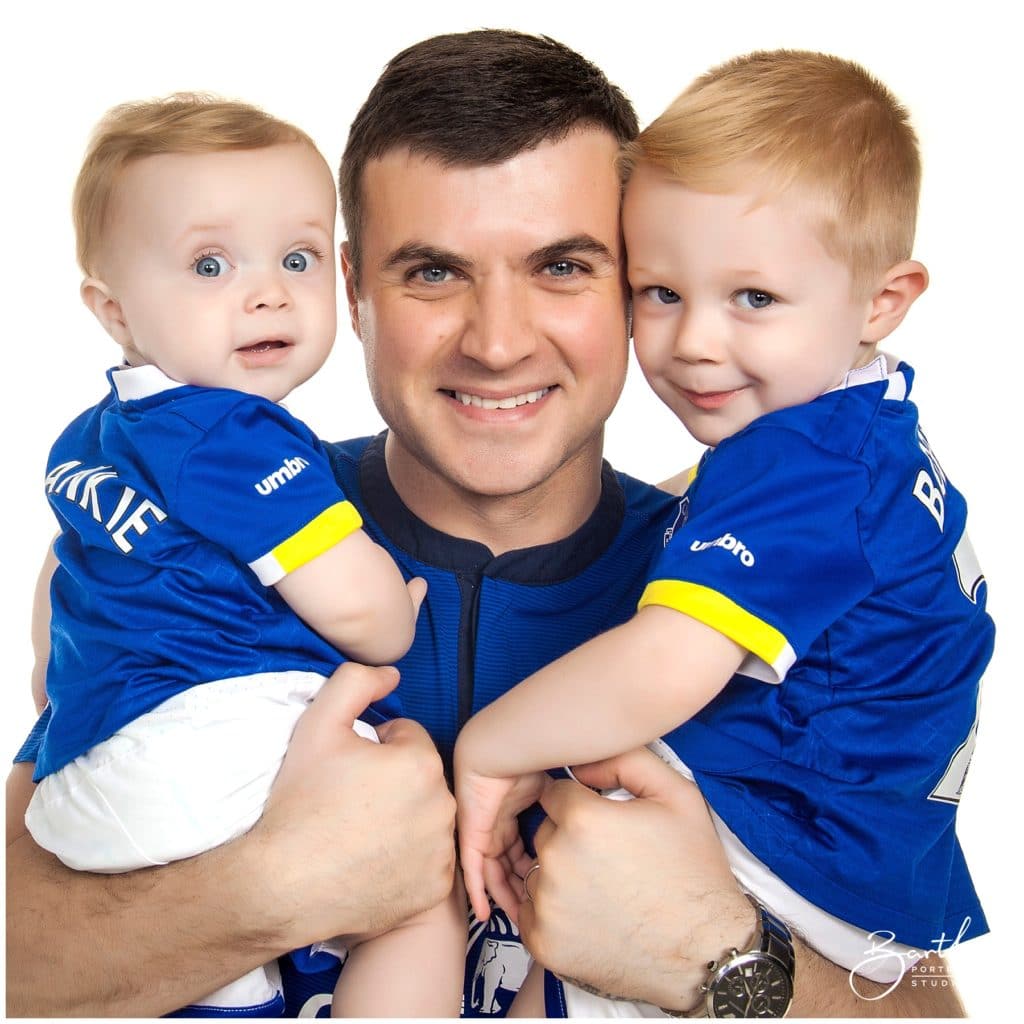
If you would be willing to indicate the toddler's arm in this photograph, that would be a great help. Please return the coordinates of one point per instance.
(621, 690)
(354, 596)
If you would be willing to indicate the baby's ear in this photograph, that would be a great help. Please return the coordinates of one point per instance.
(99, 298)
(902, 285)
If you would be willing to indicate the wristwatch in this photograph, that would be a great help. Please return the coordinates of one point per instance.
(757, 983)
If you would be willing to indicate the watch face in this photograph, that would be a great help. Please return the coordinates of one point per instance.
(753, 985)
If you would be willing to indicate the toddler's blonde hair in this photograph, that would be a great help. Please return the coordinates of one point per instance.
(772, 120)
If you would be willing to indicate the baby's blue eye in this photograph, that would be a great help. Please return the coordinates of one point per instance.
(750, 298)
(663, 296)
(211, 266)
(298, 261)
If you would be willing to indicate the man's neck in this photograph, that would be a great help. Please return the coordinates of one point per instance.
(548, 512)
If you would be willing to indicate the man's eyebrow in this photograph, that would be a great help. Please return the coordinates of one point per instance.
(419, 252)
(576, 245)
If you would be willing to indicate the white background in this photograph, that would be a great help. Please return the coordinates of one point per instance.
(313, 63)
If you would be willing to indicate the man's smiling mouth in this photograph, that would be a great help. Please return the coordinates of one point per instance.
(508, 402)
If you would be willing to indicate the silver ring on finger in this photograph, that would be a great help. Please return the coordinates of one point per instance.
(526, 881)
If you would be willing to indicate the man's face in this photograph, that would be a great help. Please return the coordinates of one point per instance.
(491, 309)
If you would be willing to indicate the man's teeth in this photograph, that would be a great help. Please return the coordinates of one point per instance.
(527, 398)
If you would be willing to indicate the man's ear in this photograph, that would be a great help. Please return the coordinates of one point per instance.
(351, 287)
(902, 285)
(99, 298)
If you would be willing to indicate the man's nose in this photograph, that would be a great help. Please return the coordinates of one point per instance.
(498, 332)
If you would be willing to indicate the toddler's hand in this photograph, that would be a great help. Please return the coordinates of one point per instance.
(490, 846)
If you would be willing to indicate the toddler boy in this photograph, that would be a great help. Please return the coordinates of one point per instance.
(811, 640)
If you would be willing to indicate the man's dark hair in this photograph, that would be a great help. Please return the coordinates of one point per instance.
(472, 99)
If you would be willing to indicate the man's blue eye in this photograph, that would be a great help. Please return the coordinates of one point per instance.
(433, 275)
(298, 261)
(664, 296)
(562, 268)
(211, 266)
(751, 298)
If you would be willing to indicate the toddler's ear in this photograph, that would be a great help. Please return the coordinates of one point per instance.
(98, 297)
(902, 285)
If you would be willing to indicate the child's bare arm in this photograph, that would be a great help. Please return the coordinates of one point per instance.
(354, 596)
(617, 692)
(41, 628)
(620, 690)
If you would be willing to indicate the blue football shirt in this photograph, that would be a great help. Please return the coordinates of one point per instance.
(827, 541)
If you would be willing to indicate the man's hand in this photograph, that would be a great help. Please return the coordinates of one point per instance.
(356, 836)
(632, 898)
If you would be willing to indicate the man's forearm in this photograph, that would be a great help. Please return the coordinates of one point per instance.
(824, 990)
(80, 944)
(138, 944)
(355, 837)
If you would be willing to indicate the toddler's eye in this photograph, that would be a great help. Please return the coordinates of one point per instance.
(663, 296)
(211, 266)
(750, 298)
(298, 261)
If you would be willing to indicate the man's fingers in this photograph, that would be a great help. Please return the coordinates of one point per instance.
(526, 919)
(557, 796)
(519, 861)
(405, 732)
(642, 773)
(348, 693)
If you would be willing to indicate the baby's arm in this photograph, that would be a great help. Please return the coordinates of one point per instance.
(416, 969)
(41, 628)
(354, 596)
(621, 690)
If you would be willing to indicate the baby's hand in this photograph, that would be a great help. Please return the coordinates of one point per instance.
(417, 588)
(490, 846)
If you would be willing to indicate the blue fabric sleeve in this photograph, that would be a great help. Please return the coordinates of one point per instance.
(256, 479)
(770, 553)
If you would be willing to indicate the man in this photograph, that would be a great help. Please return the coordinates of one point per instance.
(484, 272)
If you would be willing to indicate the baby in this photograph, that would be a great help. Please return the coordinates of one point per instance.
(811, 640)
(208, 564)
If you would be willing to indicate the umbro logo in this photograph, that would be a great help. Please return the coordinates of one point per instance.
(289, 468)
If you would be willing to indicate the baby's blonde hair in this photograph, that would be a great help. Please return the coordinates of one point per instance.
(185, 122)
(776, 119)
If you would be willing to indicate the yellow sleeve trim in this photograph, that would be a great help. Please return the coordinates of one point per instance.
(321, 533)
(332, 525)
(718, 612)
